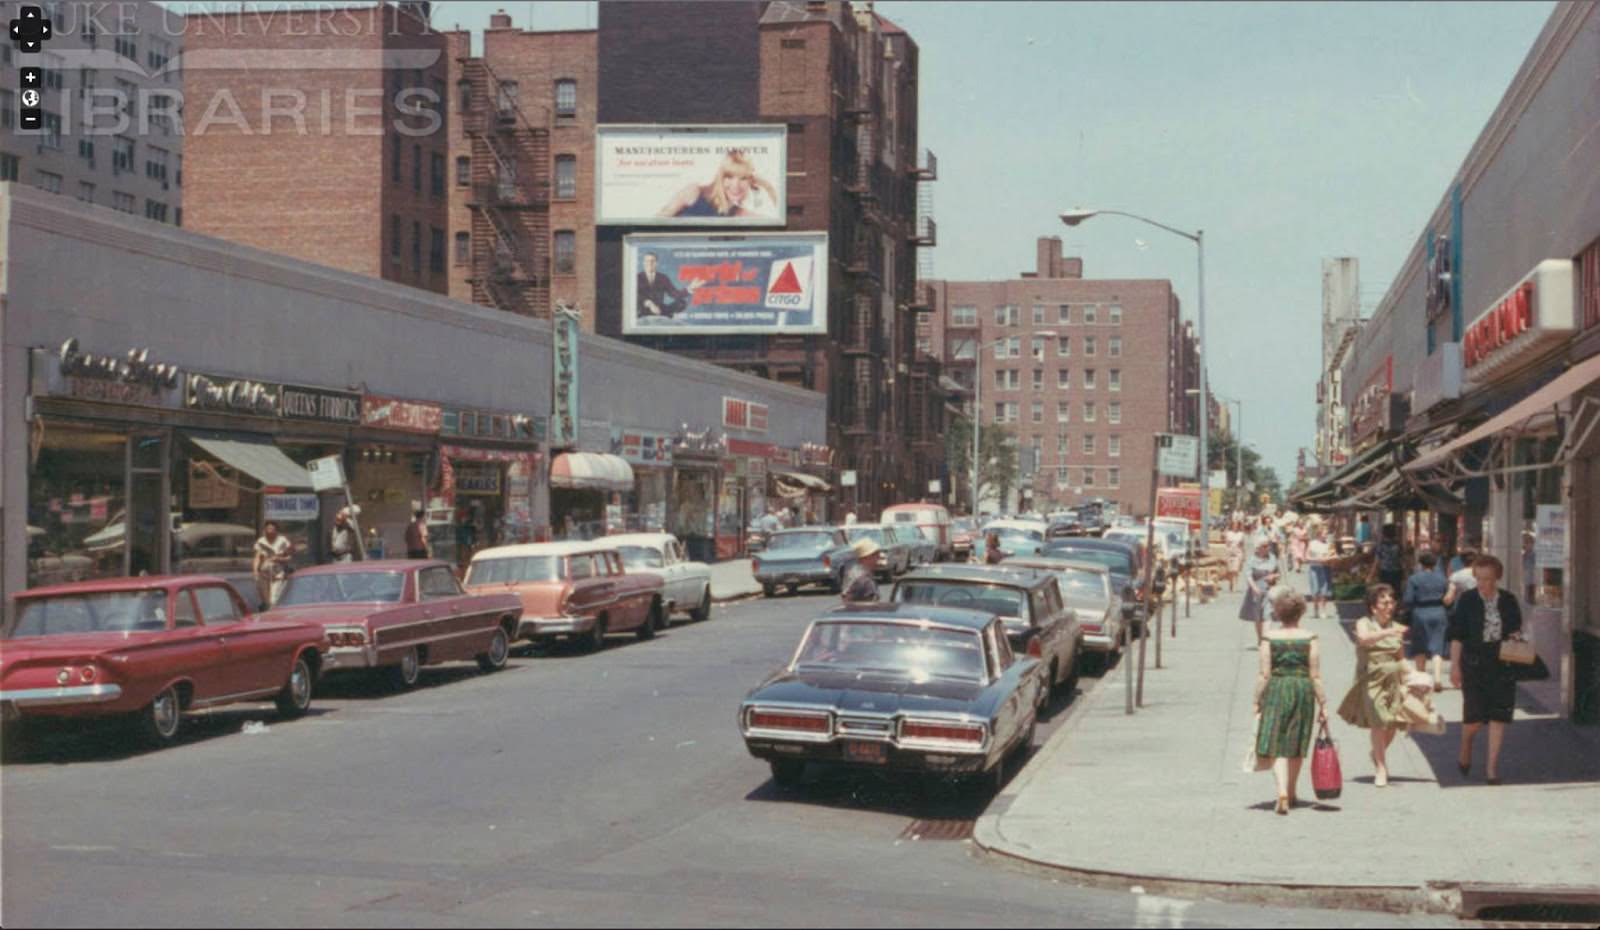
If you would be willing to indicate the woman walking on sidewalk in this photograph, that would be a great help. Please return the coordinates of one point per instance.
(1377, 700)
(1424, 598)
(1289, 696)
(1235, 541)
(1260, 575)
(1318, 554)
(1484, 617)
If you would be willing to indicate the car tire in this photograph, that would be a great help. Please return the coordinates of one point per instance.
(836, 584)
(793, 590)
(403, 675)
(295, 698)
(703, 612)
(499, 650)
(769, 590)
(596, 640)
(162, 719)
(995, 779)
(652, 622)
(786, 773)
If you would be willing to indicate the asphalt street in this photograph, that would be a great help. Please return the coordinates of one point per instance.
(569, 789)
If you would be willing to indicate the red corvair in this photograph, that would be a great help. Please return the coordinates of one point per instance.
(399, 616)
(153, 647)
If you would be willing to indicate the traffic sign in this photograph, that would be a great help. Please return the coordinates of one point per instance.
(1178, 456)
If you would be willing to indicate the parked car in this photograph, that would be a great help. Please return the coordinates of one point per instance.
(963, 533)
(1017, 537)
(572, 590)
(896, 552)
(153, 648)
(1133, 535)
(896, 687)
(932, 519)
(1062, 527)
(685, 585)
(1121, 559)
(1028, 599)
(806, 555)
(395, 616)
(1087, 590)
(924, 542)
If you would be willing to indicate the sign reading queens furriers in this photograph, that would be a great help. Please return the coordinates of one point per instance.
(691, 175)
(758, 283)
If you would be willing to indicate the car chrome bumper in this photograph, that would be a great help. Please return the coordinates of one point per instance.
(532, 627)
(1099, 642)
(60, 697)
(898, 759)
(343, 658)
(808, 576)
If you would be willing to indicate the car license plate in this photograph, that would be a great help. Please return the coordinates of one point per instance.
(862, 751)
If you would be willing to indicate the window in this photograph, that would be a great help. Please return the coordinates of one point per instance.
(1088, 477)
(86, 192)
(416, 168)
(1008, 315)
(1000, 412)
(963, 316)
(183, 611)
(961, 348)
(1114, 446)
(416, 247)
(158, 55)
(1014, 346)
(1007, 379)
(49, 181)
(506, 97)
(1012, 412)
(86, 151)
(1061, 446)
(1088, 345)
(566, 97)
(128, 47)
(394, 238)
(1063, 477)
(464, 89)
(1088, 411)
(121, 155)
(566, 177)
(217, 606)
(155, 164)
(1116, 379)
(1063, 378)
(128, 97)
(8, 110)
(1114, 477)
(437, 583)
(463, 171)
(177, 216)
(91, 36)
(1037, 347)
(463, 248)
(435, 249)
(1038, 379)
(8, 167)
(1090, 311)
(52, 131)
(127, 203)
(1088, 379)
(1063, 346)
(52, 66)
(1038, 314)
(395, 155)
(1114, 411)
(436, 174)
(1114, 346)
(155, 210)
(1038, 411)
(1088, 444)
(1064, 313)
(566, 252)
(1115, 311)
(1063, 411)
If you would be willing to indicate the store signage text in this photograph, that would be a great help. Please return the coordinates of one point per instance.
(112, 392)
(237, 395)
(406, 415)
(477, 479)
(564, 389)
(134, 368)
(1536, 313)
(640, 447)
(305, 403)
(290, 508)
(483, 424)
(744, 414)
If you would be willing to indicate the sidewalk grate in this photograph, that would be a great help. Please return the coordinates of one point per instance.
(938, 829)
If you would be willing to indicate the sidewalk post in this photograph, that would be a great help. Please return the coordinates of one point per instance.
(1151, 609)
(1187, 584)
(1158, 650)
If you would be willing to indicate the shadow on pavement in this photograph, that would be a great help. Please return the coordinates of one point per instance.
(371, 684)
(110, 739)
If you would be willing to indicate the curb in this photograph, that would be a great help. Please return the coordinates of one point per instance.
(735, 598)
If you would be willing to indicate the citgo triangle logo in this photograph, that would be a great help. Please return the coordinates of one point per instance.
(789, 285)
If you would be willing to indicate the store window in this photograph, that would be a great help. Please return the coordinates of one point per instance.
(691, 514)
(77, 496)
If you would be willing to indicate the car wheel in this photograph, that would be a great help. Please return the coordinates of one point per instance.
(786, 773)
(793, 590)
(836, 584)
(161, 720)
(652, 622)
(295, 698)
(1049, 688)
(404, 676)
(596, 640)
(769, 590)
(703, 612)
(499, 650)
(995, 779)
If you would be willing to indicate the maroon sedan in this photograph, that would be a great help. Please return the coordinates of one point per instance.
(152, 647)
(400, 615)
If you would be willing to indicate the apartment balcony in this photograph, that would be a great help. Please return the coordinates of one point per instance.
(928, 170)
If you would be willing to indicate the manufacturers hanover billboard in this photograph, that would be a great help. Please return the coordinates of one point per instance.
(759, 283)
(690, 175)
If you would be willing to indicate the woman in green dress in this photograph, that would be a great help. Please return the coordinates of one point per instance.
(1289, 697)
(1377, 700)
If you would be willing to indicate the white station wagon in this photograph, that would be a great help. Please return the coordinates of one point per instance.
(686, 585)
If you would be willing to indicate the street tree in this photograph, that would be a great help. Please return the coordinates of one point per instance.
(999, 472)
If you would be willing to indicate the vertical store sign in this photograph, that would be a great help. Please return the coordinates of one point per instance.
(564, 395)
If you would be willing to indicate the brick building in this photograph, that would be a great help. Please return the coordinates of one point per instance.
(1084, 373)
(522, 157)
(844, 81)
(355, 104)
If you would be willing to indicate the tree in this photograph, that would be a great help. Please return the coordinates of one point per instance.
(999, 473)
(1223, 453)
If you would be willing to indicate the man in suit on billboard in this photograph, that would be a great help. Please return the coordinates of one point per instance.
(656, 295)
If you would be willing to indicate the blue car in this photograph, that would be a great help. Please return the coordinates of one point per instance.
(1017, 537)
(809, 555)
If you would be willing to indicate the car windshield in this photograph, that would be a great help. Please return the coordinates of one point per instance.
(514, 569)
(812, 541)
(107, 612)
(989, 598)
(1116, 561)
(916, 652)
(865, 532)
(963, 525)
(1081, 584)
(1017, 532)
(634, 557)
(342, 588)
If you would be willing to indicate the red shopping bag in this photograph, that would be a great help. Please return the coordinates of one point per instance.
(1326, 779)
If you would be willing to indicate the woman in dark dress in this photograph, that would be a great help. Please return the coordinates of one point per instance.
(1483, 618)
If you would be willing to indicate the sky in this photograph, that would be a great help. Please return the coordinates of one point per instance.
(1288, 132)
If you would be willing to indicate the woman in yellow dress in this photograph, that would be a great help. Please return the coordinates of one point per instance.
(1377, 700)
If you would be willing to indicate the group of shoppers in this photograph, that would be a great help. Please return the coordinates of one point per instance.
(274, 552)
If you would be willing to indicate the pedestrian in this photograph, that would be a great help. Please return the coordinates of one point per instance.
(1463, 560)
(1484, 617)
(1424, 602)
(1530, 567)
(1289, 699)
(1319, 555)
(1388, 560)
(991, 549)
(850, 518)
(270, 566)
(1235, 542)
(1260, 574)
(1363, 531)
(343, 542)
(1461, 578)
(860, 580)
(418, 545)
(1299, 538)
(1376, 701)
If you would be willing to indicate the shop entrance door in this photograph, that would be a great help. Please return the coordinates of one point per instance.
(149, 519)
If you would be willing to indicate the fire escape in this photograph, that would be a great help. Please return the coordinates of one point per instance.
(510, 197)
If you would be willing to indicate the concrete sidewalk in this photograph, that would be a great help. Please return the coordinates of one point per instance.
(1159, 798)
(733, 580)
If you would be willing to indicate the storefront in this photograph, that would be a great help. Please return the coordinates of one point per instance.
(586, 493)
(649, 454)
(487, 486)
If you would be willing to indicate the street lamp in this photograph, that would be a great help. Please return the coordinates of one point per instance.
(977, 403)
(1198, 237)
(1238, 442)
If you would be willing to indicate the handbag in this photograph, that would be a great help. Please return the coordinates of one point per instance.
(1251, 761)
(1518, 652)
(1326, 779)
(1536, 671)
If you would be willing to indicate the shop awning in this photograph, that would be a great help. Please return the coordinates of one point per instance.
(1343, 489)
(259, 459)
(801, 480)
(591, 471)
(1538, 411)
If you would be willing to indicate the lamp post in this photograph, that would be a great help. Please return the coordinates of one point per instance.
(977, 402)
(1198, 237)
(1237, 429)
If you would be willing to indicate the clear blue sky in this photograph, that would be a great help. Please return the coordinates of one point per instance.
(1290, 132)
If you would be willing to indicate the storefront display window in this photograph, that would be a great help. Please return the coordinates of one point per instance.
(691, 515)
(217, 515)
(76, 504)
(1544, 526)
(730, 522)
(648, 508)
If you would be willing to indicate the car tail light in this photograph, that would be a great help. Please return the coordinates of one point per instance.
(86, 674)
(827, 562)
(1035, 648)
(774, 720)
(949, 732)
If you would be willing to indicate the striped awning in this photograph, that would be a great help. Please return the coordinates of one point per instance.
(801, 480)
(259, 459)
(591, 471)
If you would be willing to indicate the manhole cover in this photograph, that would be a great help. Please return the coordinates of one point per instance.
(938, 829)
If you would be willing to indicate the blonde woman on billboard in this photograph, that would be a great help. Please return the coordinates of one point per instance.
(727, 193)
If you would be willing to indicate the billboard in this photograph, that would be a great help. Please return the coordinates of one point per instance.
(764, 283)
(691, 175)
